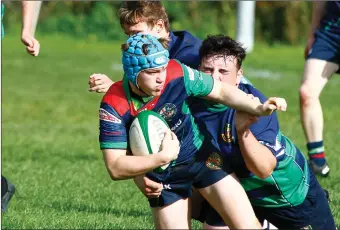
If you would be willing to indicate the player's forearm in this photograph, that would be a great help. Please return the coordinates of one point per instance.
(318, 12)
(258, 158)
(237, 99)
(126, 167)
(27, 16)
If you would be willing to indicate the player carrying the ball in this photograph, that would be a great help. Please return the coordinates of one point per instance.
(153, 82)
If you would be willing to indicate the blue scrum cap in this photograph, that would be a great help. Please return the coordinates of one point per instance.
(134, 60)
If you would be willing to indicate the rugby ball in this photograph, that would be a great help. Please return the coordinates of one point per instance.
(146, 134)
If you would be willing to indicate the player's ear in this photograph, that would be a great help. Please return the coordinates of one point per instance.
(239, 76)
(159, 26)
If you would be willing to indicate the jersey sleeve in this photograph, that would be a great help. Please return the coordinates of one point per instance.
(112, 130)
(196, 83)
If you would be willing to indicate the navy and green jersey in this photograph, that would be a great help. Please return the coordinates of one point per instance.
(118, 109)
(288, 184)
(331, 18)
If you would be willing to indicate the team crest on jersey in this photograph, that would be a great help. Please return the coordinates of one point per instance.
(214, 161)
(106, 116)
(226, 135)
(168, 111)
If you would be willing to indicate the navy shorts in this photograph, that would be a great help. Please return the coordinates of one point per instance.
(202, 171)
(326, 47)
(314, 212)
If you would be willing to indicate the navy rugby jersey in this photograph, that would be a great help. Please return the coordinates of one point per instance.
(117, 109)
(185, 48)
(288, 184)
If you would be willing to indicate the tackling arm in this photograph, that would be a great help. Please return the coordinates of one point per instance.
(258, 158)
(233, 97)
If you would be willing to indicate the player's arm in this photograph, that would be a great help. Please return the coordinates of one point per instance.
(318, 11)
(32, 45)
(257, 139)
(121, 166)
(203, 85)
(113, 140)
(258, 158)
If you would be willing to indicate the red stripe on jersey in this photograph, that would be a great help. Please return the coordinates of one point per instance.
(116, 97)
(174, 70)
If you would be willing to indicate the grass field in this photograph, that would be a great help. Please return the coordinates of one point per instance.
(50, 145)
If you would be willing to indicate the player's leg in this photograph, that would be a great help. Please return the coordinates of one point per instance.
(7, 191)
(321, 64)
(174, 216)
(229, 199)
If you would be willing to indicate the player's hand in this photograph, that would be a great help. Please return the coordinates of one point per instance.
(32, 45)
(272, 104)
(99, 83)
(243, 120)
(309, 45)
(149, 188)
(170, 146)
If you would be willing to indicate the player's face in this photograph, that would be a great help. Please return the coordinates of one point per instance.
(140, 27)
(151, 81)
(222, 68)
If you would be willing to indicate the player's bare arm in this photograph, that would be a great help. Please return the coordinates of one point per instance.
(32, 45)
(121, 166)
(233, 97)
(317, 13)
(258, 158)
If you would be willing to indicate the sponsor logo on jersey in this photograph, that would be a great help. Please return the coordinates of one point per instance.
(226, 135)
(106, 116)
(168, 111)
(214, 161)
(179, 122)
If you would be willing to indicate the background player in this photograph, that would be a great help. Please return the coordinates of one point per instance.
(322, 61)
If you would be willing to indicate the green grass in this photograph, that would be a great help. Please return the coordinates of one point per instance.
(50, 147)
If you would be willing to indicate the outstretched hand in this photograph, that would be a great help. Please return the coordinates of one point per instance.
(99, 83)
(272, 104)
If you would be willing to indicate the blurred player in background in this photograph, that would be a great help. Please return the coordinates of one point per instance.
(322, 61)
(33, 48)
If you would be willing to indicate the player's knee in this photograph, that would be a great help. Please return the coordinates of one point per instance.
(306, 94)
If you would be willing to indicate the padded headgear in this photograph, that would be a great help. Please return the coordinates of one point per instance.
(134, 60)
